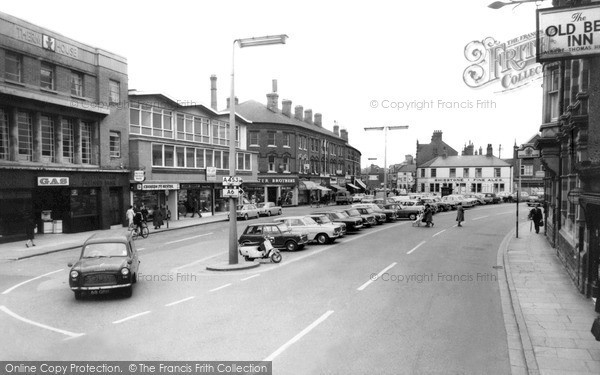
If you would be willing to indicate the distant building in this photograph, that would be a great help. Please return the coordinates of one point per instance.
(404, 175)
(529, 169)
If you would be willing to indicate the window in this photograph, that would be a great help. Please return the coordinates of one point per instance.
(3, 134)
(422, 172)
(180, 156)
(497, 172)
(477, 172)
(433, 172)
(47, 139)
(271, 161)
(114, 91)
(115, 145)
(286, 164)
(185, 127)
(13, 66)
(47, 76)
(452, 172)
(190, 157)
(553, 95)
(526, 170)
(286, 140)
(68, 142)
(76, 84)
(466, 172)
(271, 138)
(86, 143)
(253, 138)
(24, 126)
(147, 120)
(217, 161)
(157, 155)
(220, 133)
(199, 158)
(243, 162)
(209, 158)
(169, 152)
(201, 129)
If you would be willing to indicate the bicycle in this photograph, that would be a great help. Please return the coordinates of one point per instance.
(136, 231)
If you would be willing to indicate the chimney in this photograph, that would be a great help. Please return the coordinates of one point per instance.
(336, 129)
(480, 151)
(344, 134)
(437, 136)
(408, 159)
(273, 98)
(319, 119)
(286, 107)
(470, 149)
(213, 92)
(308, 116)
(229, 101)
(299, 112)
(490, 150)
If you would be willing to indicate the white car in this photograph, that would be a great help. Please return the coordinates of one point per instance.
(246, 211)
(454, 199)
(321, 233)
(268, 209)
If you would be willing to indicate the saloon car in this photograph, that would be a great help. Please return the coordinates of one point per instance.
(367, 219)
(268, 209)
(353, 224)
(107, 261)
(282, 236)
(321, 233)
(403, 212)
(324, 220)
(246, 211)
(492, 198)
(390, 214)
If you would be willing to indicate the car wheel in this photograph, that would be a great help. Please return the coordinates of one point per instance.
(322, 238)
(412, 217)
(245, 216)
(269, 213)
(247, 259)
(276, 257)
(279, 212)
(78, 294)
(127, 292)
(291, 246)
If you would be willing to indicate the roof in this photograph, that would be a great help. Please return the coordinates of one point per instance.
(465, 161)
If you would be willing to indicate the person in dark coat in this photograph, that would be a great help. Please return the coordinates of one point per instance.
(536, 215)
(428, 216)
(30, 231)
(144, 212)
(460, 214)
(157, 221)
(196, 208)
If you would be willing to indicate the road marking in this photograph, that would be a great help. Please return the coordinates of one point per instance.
(219, 288)
(299, 336)
(181, 300)
(440, 232)
(131, 317)
(504, 213)
(25, 320)
(248, 278)
(481, 217)
(27, 281)
(373, 278)
(416, 247)
(196, 262)
(188, 238)
(141, 249)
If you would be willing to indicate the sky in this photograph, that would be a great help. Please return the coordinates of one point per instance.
(359, 64)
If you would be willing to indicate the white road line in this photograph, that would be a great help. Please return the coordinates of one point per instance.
(440, 232)
(25, 320)
(373, 278)
(27, 281)
(416, 247)
(480, 217)
(181, 300)
(504, 213)
(248, 278)
(141, 249)
(188, 238)
(298, 336)
(131, 317)
(196, 262)
(219, 288)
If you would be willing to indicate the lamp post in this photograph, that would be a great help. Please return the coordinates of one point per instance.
(516, 3)
(247, 42)
(385, 130)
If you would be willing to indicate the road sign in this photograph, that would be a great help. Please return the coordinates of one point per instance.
(231, 192)
(232, 181)
(240, 192)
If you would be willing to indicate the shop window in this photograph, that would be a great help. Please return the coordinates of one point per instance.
(24, 126)
(114, 91)
(47, 76)
(115, 145)
(13, 66)
(47, 139)
(76, 83)
(3, 134)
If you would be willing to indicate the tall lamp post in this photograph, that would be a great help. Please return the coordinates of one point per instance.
(385, 130)
(247, 42)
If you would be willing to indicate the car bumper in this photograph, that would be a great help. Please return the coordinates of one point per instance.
(100, 287)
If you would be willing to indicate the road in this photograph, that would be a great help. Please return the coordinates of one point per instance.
(390, 299)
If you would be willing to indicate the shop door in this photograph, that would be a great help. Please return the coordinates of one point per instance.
(272, 194)
(116, 206)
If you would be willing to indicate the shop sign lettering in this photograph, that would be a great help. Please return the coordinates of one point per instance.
(53, 181)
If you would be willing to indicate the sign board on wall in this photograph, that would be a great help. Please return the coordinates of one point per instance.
(211, 174)
(528, 152)
(568, 32)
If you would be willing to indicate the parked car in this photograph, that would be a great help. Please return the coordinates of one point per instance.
(357, 197)
(478, 198)
(324, 220)
(107, 261)
(321, 233)
(390, 214)
(367, 219)
(403, 212)
(343, 197)
(283, 237)
(380, 217)
(506, 196)
(268, 209)
(415, 205)
(368, 199)
(492, 198)
(353, 224)
(457, 198)
(246, 211)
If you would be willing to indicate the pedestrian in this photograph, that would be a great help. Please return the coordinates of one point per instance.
(196, 208)
(279, 201)
(138, 218)
(536, 216)
(30, 231)
(460, 214)
(144, 212)
(130, 215)
(428, 217)
(157, 220)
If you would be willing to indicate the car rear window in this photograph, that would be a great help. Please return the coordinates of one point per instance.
(98, 250)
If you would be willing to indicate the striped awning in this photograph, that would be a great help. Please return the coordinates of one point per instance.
(352, 186)
(359, 182)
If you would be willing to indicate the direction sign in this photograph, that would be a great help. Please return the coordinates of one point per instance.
(232, 193)
(240, 192)
(232, 181)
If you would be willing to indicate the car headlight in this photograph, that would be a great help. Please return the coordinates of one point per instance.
(74, 274)
(125, 271)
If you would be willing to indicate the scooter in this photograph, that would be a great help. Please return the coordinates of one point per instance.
(264, 250)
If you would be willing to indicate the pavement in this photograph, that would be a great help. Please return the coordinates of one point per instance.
(547, 320)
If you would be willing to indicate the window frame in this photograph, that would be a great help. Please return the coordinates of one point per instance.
(75, 75)
(51, 69)
(114, 96)
(114, 147)
(18, 61)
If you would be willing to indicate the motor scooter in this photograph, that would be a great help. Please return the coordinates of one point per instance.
(264, 250)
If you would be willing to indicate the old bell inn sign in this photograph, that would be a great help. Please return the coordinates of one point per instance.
(568, 33)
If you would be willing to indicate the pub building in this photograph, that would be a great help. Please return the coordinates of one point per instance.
(180, 154)
(63, 136)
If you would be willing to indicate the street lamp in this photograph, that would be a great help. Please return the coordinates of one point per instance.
(516, 3)
(385, 130)
(247, 42)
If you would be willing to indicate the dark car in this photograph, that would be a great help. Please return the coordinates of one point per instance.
(107, 261)
(492, 198)
(403, 212)
(353, 224)
(379, 216)
(368, 220)
(283, 238)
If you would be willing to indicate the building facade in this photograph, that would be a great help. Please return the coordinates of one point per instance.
(528, 168)
(63, 132)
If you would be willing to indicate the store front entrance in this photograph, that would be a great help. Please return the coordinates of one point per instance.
(272, 194)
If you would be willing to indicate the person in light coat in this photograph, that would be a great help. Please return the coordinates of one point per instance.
(460, 214)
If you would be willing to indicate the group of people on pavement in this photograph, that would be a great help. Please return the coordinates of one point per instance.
(427, 215)
(137, 217)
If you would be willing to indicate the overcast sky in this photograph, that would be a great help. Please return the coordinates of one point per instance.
(345, 59)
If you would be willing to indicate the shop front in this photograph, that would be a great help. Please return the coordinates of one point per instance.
(196, 196)
(155, 196)
(280, 189)
(311, 191)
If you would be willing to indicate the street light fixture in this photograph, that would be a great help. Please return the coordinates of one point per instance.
(247, 42)
(516, 3)
(385, 130)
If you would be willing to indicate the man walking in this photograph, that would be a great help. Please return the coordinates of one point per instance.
(460, 214)
(536, 215)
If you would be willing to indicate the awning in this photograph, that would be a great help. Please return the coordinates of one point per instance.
(337, 187)
(311, 185)
(322, 188)
(352, 186)
(360, 183)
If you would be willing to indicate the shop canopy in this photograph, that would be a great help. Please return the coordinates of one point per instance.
(311, 185)
(337, 187)
(360, 183)
(352, 186)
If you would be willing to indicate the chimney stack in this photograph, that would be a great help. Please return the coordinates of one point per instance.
(308, 116)
(318, 119)
(490, 150)
(336, 130)
(480, 151)
(444, 153)
(344, 134)
(286, 107)
(273, 98)
(213, 92)
(299, 112)
(437, 136)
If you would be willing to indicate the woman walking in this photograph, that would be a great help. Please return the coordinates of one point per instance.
(428, 216)
(30, 231)
(157, 219)
(460, 214)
